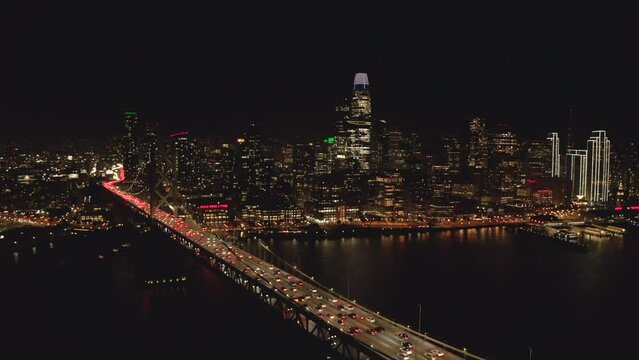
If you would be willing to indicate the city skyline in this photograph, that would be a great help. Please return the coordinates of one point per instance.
(427, 180)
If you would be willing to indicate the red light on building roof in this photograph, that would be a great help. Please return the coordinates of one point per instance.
(214, 206)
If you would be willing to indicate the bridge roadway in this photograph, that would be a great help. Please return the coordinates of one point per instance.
(319, 300)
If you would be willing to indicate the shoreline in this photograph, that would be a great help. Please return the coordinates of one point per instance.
(343, 230)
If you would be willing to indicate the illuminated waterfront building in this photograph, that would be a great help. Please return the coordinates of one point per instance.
(598, 179)
(554, 156)
(576, 171)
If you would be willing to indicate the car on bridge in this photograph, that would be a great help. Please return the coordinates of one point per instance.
(407, 345)
(372, 331)
(354, 330)
(434, 353)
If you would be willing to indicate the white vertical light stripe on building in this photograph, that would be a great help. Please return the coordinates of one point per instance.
(554, 163)
(599, 167)
(577, 164)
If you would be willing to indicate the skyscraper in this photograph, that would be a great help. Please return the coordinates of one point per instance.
(185, 161)
(554, 154)
(361, 99)
(598, 167)
(253, 164)
(452, 153)
(478, 146)
(537, 158)
(577, 171)
(131, 144)
(354, 126)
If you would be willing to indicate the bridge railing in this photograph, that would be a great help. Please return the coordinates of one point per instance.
(295, 270)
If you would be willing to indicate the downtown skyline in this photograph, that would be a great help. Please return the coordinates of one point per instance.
(415, 180)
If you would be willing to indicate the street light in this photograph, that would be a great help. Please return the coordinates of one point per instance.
(530, 352)
(419, 323)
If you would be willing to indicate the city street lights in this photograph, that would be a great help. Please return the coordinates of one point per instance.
(529, 352)
(419, 322)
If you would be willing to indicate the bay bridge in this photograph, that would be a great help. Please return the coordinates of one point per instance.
(351, 329)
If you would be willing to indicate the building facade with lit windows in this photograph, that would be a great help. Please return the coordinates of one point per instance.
(354, 127)
(131, 144)
(478, 144)
(185, 159)
(214, 213)
(598, 178)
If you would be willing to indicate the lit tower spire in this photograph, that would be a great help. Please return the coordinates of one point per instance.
(360, 106)
(361, 82)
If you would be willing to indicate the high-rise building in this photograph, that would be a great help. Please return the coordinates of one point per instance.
(503, 141)
(554, 154)
(441, 184)
(452, 153)
(185, 161)
(131, 144)
(303, 164)
(537, 158)
(577, 171)
(361, 99)
(478, 144)
(252, 164)
(325, 156)
(386, 192)
(354, 127)
(379, 144)
(598, 180)
(504, 166)
(395, 156)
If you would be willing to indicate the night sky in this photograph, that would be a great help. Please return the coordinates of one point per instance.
(210, 67)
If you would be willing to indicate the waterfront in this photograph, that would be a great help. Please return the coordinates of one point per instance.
(491, 290)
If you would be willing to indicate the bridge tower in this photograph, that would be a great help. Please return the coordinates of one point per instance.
(162, 185)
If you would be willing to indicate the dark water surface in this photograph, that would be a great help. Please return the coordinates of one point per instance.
(491, 290)
(58, 300)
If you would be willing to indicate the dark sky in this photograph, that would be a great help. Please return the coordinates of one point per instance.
(210, 67)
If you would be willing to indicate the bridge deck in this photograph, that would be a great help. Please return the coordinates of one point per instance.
(322, 302)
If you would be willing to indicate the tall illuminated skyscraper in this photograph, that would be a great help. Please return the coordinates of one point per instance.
(478, 146)
(577, 171)
(554, 154)
(131, 144)
(185, 161)
(354, 126)
(598, 180)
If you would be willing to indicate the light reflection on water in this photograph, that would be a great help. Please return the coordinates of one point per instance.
(489, 289)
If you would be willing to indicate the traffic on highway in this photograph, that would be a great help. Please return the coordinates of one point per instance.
(386, 337)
